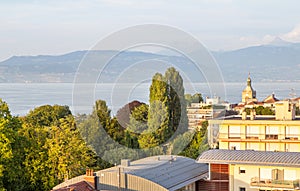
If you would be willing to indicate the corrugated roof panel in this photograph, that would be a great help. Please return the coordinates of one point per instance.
(249, 156)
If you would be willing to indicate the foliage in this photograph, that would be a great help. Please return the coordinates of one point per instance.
(11, 151)
(123, 114)
(158, 116)
(196, 98)
(260, 110)
(55, 149)
(167, 109)
(138, 119)
(176, 101)
(198, 143)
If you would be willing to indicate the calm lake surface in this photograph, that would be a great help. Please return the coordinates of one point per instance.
(21, 98)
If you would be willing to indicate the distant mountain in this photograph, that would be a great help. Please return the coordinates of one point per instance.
(266, 63)
(277, 41)
(277, 61)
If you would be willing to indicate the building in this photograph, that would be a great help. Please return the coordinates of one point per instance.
(249, 94)
(249, 99)
(270, 101)
(251, 170)
(156, 173)
(261, 133)
(211, 108)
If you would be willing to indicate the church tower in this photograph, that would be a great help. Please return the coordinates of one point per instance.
(248, 94)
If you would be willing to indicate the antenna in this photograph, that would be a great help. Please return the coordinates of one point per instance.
(293, 93)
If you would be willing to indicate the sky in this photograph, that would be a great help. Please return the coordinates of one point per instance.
(32, 27)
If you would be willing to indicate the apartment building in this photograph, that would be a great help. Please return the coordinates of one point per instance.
(211, 108)
(238, 170)
(261, 133)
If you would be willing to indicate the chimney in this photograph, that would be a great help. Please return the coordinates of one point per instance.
(91, 178)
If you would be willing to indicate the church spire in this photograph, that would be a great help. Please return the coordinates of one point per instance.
(248, 94)
(249, 80)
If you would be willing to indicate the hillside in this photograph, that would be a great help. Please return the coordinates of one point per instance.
(278, 61)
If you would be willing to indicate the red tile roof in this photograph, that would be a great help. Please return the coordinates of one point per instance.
(80, 186)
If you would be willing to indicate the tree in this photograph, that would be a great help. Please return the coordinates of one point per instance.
(176, 102)
(55, 150)
(138, 119)
(123, 114)
(196, 98)
(67, 153)
(11, 151)
(167, 110)
(260, 110)
(158, 117)
(198, 143)
(137, 125)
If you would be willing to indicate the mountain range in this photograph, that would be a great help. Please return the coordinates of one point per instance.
(277, 61)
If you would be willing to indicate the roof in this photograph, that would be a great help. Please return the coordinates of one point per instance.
(270, 99)
(265, 158)
(259, 119)
(79, 186)
(171, 172)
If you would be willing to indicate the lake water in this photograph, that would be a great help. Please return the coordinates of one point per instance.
(21, 98)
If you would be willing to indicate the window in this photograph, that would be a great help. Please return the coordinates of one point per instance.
(272, 132)
(234, 131)
(292, 132)
(242, 170)
(242, 189)
(252, 132)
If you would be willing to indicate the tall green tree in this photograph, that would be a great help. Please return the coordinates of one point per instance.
(176, 101)
(167, 109)
(158, 117)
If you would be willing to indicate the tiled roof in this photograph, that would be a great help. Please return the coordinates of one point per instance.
(79, 186)
(267, 158)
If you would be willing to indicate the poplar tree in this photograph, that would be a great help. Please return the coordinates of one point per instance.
(176, 101)
(167, 109)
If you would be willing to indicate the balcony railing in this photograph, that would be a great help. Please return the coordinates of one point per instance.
(279, 184)
(249, 136)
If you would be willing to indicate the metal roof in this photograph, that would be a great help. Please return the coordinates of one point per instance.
(171, 172)
(251, 157)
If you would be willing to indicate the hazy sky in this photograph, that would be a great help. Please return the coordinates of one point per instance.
(29, 27)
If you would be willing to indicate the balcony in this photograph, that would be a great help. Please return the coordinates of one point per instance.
(248, 137)
(275, 184)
